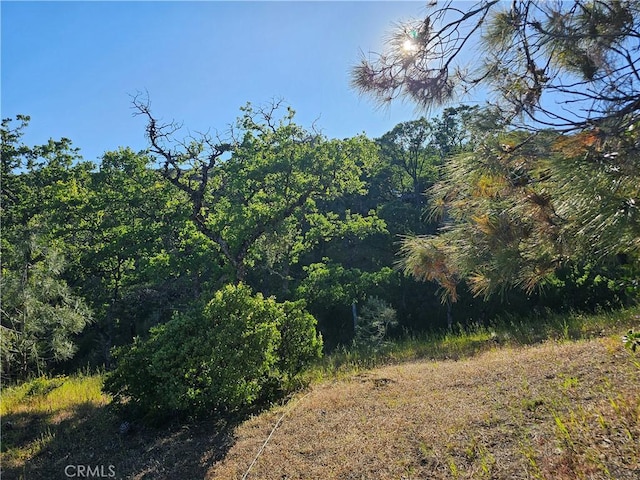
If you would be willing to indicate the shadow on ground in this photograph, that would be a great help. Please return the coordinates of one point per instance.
(87, 441)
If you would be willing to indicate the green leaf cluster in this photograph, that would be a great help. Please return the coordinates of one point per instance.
(241, 348)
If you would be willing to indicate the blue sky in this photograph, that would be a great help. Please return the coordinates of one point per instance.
(72, 66)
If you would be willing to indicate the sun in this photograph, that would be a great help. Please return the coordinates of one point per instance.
(409, 46)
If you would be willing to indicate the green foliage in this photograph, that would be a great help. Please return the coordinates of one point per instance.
(41, 312)
(268, 189)
(375, 321)
(330, 289)
(41, 386)
(594, 178)
(126, 221)
(332, 283)
(134, 254)
(40, 316)
(344, 269)
(415, 150)
(631, 340)
(33, 178)
(521, 210)
(239, 349)
(121, 229)
(278, 199)
(412, 155)
(545, 186)
(299, 341)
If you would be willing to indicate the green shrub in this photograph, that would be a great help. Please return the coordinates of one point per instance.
(299, 341)
(240, 349)
(375, 321)
(40, 386)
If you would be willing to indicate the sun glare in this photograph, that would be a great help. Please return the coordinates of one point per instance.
(409, 46)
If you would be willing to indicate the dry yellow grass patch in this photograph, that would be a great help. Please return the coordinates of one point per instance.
(556, 411)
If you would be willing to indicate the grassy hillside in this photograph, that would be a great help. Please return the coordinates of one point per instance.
(554, 411)
(501, 404)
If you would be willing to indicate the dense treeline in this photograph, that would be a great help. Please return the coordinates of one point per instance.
(288, 212)
(168, 260)
(94, 256)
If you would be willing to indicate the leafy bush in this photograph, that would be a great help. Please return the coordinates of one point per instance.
(239, 349)
(374, 322)
(299, 341)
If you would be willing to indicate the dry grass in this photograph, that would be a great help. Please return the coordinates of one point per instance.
(555, 411)
(48, 425)
(496, 409)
